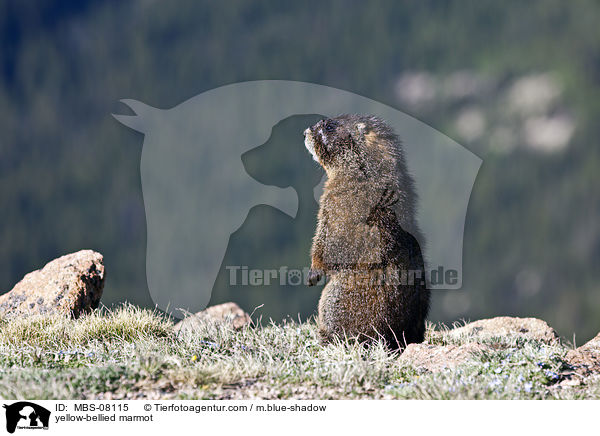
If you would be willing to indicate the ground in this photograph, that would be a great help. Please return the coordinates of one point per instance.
(132, 353)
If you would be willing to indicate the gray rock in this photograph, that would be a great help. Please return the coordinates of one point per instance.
(436, 358)
(529, 328)
(221, 313)
(70, 285)
(586, 359)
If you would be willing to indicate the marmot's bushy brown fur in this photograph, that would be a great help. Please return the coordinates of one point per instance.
(366, 237)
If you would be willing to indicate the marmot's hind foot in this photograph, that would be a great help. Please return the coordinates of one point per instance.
(325, 336)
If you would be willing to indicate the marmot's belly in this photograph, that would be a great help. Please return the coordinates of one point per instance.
(353, 244)
(363, 304)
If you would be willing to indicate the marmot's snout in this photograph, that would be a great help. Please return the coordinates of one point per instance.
(327, 140)
(309, 143)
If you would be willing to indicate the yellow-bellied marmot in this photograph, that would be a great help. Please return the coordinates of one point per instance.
(366, 237)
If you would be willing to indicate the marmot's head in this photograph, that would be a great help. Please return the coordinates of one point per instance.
(364, 145)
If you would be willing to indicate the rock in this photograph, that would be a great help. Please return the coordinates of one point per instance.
(435, 358)
(528, 328)
(221, 313)
(586, 359)
(71, 284)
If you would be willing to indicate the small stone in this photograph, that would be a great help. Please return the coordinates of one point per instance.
(570, 382)
(586, 359)
(435, 358)
(70, 285)
(528, 328)
(221, 313)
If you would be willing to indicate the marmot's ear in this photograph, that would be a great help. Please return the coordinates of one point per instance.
(361, 127)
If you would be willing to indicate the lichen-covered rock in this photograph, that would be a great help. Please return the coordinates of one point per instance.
(529, 328)
(586, 359)
(436, 358)
(71, 285)
(221, 313)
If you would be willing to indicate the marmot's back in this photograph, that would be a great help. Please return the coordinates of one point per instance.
(367, 236)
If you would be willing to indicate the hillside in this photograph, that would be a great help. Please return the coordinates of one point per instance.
(516, 83)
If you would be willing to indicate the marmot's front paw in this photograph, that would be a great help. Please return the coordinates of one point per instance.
(383, 207)
(314, 275)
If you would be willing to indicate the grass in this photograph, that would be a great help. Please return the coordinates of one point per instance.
(134, 353)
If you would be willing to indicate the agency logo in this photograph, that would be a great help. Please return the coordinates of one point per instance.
(199, 193)
(26, 415)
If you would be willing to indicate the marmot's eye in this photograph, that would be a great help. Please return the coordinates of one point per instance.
(329, 127)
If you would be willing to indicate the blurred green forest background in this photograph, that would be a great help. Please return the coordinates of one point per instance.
(517, 83)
